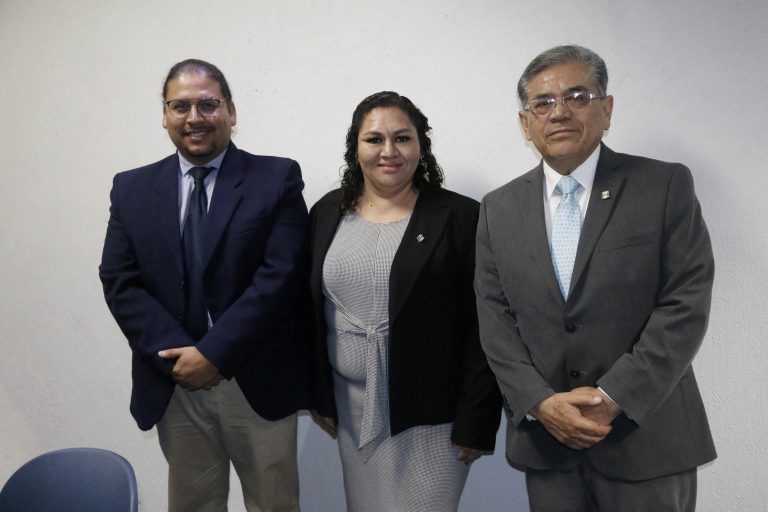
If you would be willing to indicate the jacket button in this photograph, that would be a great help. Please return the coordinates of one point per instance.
(570, 327)
(182, 284)
(575, 374)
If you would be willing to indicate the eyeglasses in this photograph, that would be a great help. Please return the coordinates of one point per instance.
(206, 107)
(574, 101)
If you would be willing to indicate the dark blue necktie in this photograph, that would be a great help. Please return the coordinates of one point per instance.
(196, 317)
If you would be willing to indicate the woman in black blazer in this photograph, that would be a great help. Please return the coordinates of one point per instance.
(403, 381)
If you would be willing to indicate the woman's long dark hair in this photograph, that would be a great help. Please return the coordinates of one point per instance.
(428, 174)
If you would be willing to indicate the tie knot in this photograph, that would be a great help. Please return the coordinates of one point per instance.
(199, 173)
(567, 185)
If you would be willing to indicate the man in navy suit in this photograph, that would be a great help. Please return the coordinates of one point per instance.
(594, 278)
(204, 269)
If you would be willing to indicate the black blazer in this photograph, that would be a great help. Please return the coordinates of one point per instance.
(255, 269)
(438, 372)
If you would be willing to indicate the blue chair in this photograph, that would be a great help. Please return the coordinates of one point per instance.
(72, 480)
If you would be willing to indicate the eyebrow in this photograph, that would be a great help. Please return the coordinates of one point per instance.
(575, 88)
(397, 132)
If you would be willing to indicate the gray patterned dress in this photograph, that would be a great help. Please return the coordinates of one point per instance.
(417, 470)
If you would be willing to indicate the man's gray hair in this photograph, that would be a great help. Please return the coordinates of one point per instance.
(564, 55)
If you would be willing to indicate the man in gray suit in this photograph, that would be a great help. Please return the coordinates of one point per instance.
(594, 277)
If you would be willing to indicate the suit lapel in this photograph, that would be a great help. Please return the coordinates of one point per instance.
(535, 228)
(327, 220)
(167, 207)
(419, 240)
(599, 209)
(226, 196)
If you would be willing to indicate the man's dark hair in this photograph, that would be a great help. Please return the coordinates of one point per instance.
(201, 67)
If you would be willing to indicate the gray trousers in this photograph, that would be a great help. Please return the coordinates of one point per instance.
(202, 431)
(584, 489)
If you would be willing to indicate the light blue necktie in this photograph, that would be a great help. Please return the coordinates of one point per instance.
(566, 226)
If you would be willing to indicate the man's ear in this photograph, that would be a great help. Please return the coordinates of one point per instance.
(523, 116)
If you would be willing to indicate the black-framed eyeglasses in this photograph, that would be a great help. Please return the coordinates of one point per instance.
(574, 101)
(206, 107)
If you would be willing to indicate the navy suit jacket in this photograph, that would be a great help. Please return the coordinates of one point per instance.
(255, 272)
(634, 319)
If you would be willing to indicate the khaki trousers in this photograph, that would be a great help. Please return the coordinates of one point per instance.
(202, 431)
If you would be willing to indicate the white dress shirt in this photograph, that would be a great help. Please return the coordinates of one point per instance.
(584, 174)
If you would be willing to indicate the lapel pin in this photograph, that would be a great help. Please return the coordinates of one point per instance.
(606, 194)
(420, 238)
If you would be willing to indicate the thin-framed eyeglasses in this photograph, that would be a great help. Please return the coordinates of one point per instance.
(206, 107)
(573, 101)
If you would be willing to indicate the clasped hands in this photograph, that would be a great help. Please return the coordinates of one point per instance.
(192, 369)
(579, 418)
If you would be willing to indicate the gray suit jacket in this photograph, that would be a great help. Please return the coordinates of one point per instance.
(634, 319)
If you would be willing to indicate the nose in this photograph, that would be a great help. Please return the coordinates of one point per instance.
(559, 111)
(389, 149)
(193, 114)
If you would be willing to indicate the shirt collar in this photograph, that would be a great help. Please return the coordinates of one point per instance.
(185, 165)
(584, 173)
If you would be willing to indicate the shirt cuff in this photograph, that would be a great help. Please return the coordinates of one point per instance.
(609, 398)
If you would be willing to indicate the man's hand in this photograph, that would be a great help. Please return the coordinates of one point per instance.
(603, 412)
(213, 382)
(192, 370)
(325, 422)
(561, 414)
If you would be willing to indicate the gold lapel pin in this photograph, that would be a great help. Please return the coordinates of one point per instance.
(420, 238)
(606, 194)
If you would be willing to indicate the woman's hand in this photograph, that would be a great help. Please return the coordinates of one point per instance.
(469, 455)
(324, 422)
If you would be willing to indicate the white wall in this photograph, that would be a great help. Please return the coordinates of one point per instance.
(80, 100)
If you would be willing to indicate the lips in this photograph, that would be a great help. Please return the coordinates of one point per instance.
(560, 133)
(196, 133)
